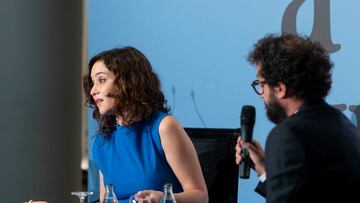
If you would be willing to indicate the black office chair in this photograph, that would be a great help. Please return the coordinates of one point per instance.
(215, 149)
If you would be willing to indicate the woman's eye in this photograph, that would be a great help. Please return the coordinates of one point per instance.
(102, 81)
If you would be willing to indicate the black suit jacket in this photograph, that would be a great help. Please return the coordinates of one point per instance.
(313, 156)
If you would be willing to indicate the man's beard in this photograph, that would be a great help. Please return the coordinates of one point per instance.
(275, 112)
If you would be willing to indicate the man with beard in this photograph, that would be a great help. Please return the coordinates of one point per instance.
(313, 152)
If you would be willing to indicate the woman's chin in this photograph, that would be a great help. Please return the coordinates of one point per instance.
(106, 112)
(103, 112)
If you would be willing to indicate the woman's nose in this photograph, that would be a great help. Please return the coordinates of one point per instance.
(93, 91)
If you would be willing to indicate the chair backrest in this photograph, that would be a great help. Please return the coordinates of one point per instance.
(215, 149)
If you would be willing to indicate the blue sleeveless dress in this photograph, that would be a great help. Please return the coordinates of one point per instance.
(133, 159)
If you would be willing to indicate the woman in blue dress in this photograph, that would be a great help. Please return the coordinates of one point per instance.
(140, 147)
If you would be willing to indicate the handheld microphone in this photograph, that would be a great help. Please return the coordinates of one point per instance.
(247, 121)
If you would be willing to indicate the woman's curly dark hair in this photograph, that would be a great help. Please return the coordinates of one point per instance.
(301, 64)
(137, 90)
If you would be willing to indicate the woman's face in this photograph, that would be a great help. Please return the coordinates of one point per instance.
(102, 90)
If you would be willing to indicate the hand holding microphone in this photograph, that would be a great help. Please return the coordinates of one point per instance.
(256, 152)
(248, 152)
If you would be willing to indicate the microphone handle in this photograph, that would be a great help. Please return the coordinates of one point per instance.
(245, 164)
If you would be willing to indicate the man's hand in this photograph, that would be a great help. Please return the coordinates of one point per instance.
(257, 154)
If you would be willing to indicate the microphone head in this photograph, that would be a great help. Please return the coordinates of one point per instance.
(248, 115)
(192, 93)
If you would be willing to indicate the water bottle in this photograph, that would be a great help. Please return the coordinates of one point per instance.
(110, 196)
(168, 194)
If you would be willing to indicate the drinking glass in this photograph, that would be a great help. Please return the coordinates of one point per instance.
(81, 195)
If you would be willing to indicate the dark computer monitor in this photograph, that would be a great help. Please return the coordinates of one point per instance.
(215, 148)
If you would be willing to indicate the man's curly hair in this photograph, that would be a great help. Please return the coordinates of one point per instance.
(137, 90)
(301, 64)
